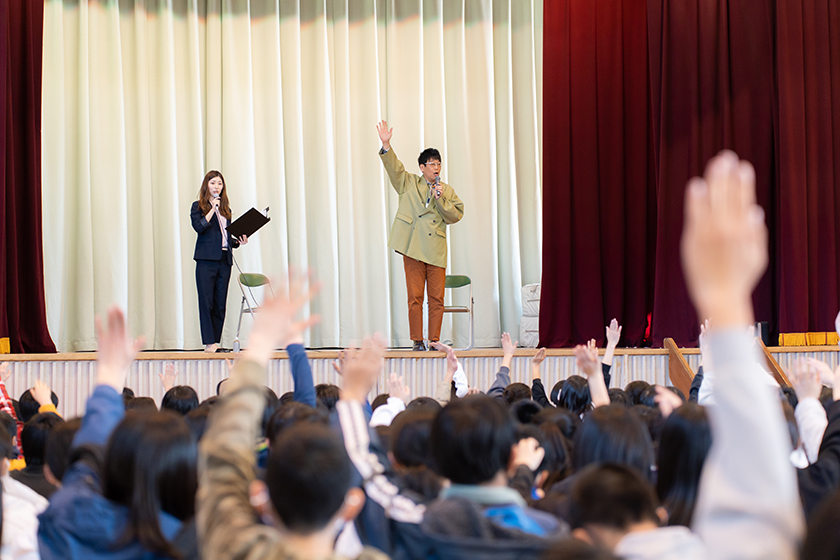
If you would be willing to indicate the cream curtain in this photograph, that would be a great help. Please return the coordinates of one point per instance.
(142, 97)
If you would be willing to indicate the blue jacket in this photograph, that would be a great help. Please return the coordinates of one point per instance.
(80, 523)
(208, 245)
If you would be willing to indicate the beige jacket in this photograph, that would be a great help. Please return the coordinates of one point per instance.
(228, 527)
(419, 231)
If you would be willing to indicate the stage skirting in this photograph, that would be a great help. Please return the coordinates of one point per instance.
(72, 376)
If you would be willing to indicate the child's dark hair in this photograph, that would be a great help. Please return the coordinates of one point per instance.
(684, 443)
(516, 392)
(327, 395)
(181, 399)
(308, 476)
(472, 440)
(575, 395)
(150, 467)
(410, 445)
(635, 390)
(33, 437)
(59, 441)
(29, 406)
(613, 496)
(614, 434)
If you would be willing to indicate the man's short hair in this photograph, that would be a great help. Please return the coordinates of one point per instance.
(33, 437)
(427, 155)
(308, 476)
(29, 406)
(181, 399)
(611, 496)
(472, 440)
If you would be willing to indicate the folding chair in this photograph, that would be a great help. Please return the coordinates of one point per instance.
(454, 282)
(248, 280)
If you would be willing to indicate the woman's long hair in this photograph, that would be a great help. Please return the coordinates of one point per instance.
(150, 467)
(205, 198)
(683, 446)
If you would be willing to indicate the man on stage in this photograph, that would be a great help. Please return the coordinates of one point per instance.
(418, 233)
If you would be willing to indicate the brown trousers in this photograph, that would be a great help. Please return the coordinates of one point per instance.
(417, 276)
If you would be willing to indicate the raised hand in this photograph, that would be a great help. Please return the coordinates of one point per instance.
(536, 361)
(362, 367)
(275, 324)
(526, 452)
(613, 333)
(724, 241)
(385, 134)
(825, 371)
(115, 350)
(41, 392)
(397, 388)
(587, 361)
(508, 349)
(667, 400)
(5, 372)
(805, 380)
(170, 376)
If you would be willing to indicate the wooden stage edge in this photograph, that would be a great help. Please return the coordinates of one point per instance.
(170, 355)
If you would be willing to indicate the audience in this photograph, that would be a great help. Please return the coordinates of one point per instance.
(587, 472)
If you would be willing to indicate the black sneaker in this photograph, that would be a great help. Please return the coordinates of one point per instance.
(419, 345)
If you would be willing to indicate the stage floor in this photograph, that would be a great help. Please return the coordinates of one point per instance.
(72, 376)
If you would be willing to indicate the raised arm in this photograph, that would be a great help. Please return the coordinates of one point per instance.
(304, 386)
(587, 361)
(503, 375)
(228, 526)
(748, 502)
(393, 166)
(537, 389)
(114, 354)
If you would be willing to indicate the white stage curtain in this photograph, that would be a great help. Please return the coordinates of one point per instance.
(142, 97)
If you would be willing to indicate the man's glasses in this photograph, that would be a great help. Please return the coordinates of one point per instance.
(432, 163)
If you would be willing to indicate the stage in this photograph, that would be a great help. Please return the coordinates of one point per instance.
(72, 376)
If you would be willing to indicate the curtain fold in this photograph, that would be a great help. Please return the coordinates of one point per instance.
(141, 98)
(23, 324)
(760, 77)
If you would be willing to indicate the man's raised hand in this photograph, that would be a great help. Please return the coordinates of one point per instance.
(385, 134)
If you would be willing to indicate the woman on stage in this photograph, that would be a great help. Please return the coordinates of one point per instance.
(210, 215)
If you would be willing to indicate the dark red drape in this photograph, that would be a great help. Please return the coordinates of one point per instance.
(22, 307)
(761, 77)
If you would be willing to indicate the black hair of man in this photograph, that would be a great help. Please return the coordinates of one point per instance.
(427, 155)
(57, 451)
(7, 422)
(612, 496)
(181, 399)
(472, 440)
(29, 406)
(33, 437)
(308, 475)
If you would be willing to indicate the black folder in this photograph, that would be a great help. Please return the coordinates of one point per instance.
(248, 223)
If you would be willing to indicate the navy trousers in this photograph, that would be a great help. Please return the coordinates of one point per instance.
(212, 278)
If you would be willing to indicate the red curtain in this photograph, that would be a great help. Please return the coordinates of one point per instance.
(22, 306)
(759, 77)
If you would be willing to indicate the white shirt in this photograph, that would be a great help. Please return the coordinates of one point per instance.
(21, 506)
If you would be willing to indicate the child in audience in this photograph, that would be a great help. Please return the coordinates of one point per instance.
(20, 506)
(33, 443)
(131, 504)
